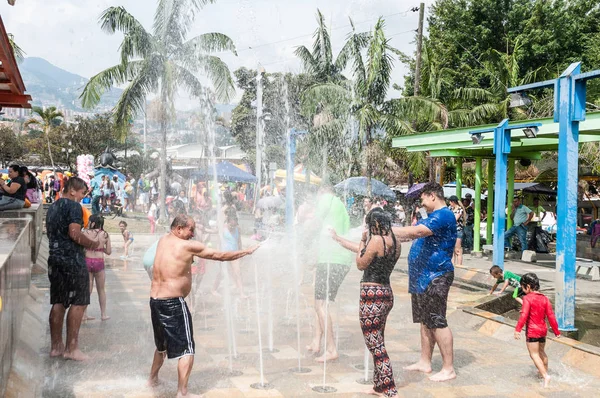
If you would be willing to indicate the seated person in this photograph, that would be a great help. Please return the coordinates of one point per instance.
(12, 194)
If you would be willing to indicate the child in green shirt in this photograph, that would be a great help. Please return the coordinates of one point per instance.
(508, 278)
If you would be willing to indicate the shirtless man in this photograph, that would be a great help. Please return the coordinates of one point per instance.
(171, 283)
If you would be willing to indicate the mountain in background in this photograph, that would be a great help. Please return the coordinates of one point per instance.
(50, 85)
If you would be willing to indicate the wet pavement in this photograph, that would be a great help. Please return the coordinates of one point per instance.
(488, 362)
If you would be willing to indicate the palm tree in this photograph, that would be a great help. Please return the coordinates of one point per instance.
(160, 62)
(48, 118)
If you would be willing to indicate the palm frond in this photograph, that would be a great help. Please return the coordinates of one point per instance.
(355, 43)
(114, 76)
(173, 18)
(308, 61)
(209, 43)
(474, 94)
(134, 96)
(137, 41)
(218, 73)
(336, 98)
(17, 51)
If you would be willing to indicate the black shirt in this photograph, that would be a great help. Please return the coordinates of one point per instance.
(63, 249)
(20, 193)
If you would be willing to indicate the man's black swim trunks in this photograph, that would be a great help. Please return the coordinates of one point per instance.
(172, 324)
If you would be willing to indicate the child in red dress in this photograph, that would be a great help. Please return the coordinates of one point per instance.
(536, 308)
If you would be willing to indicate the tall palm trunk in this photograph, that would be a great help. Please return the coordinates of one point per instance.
(47, 133)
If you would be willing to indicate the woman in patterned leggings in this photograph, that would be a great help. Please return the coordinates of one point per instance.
(377, 255)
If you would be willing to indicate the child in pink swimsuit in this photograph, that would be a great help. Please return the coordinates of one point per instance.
(94, 259)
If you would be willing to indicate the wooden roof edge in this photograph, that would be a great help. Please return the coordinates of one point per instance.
(12, 67)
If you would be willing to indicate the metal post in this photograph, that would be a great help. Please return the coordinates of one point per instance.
(568, 111)
(511, 191)
(419, 49)
(490, 202)
(459, 169)
(501, 150)
(477, 223)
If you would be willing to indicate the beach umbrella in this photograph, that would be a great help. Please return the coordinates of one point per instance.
(415, 190)
(358, 186)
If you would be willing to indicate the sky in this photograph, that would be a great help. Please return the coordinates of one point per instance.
(67, 34)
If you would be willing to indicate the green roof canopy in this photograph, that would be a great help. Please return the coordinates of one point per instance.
(457, 142)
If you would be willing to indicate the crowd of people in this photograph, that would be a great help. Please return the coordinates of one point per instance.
(177, 262)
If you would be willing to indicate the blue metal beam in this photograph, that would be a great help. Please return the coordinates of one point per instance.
(526, 87)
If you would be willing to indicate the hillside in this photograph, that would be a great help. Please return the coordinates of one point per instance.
(50, 85)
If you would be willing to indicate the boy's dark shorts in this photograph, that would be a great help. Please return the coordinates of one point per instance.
(536, 339)
(429, 308)
(69, 282)
(323, 285)
(172, 324)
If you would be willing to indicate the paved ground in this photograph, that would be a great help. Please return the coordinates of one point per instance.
(488, 364)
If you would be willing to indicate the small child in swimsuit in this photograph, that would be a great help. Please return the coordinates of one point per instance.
(508, 278)
(127, 239)
(536, 308)
(94, 259)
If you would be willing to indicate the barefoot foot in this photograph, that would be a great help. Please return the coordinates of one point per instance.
(546, 381)
(105, 317)
(314, 347)
(188, 395)
(329, 356)
(88, 318)
(153, 382)
(76, 355)
(58, 351)
(419, 367)
(443, 375)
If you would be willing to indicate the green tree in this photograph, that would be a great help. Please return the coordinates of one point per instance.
(11, 146)
(160, 62)
(243, 119)
(46, 119)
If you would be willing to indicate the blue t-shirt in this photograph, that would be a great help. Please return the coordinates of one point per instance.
(431, 257)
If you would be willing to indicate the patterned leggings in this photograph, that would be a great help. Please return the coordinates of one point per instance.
(376, 302)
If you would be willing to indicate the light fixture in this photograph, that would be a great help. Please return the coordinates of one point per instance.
(531, 132)
(477, 138)
(519, 99)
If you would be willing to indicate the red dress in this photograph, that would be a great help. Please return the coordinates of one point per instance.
(536, 307)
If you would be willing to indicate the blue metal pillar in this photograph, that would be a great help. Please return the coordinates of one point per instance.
(569, 110)
(501, 150)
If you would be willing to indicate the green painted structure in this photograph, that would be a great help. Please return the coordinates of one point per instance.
(457, 143)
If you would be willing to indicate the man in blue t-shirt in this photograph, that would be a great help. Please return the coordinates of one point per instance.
(430, 274)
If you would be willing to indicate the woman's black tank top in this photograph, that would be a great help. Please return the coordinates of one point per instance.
(381, 268)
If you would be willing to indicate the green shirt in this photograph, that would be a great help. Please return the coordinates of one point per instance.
(538, 211)
(513, 279)
(331, 212)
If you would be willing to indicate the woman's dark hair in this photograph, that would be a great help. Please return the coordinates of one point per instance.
(16, 168)
(530, 279)
(24, 172)
(75, 183)
(96, 221)
(379, 221)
